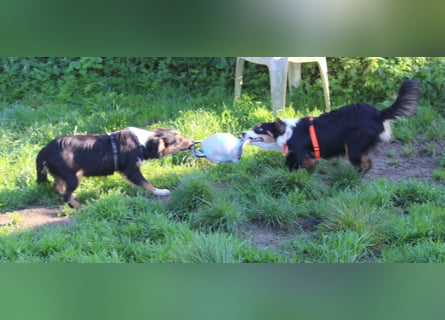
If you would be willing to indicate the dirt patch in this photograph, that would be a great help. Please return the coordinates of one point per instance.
(394, 162)
(265, 236)
(34, 217)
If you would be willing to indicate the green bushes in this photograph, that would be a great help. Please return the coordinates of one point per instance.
(74, 80)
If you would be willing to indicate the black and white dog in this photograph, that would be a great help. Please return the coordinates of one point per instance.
(69, 158)
(352, 130)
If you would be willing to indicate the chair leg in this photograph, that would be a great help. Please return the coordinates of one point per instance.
(322, 66)
(294, 75)
(278, 83)
(239, 77)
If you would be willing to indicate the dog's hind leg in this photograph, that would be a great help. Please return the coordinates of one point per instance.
(361, 161)
(42, 166)
(71, 183)
(365, 163)
(59, 185)
(42, 171)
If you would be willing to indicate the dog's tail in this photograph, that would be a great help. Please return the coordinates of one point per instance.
(406, 102)
(42, 170)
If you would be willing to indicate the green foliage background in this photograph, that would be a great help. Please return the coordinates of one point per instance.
(74, 80)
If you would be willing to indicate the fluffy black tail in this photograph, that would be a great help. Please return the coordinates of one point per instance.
(406, 102)
(42, 171)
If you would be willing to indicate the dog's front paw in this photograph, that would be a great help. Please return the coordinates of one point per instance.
(161, 192)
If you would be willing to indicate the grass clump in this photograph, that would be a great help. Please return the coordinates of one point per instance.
(192, 192)
(221, 214)
(273, 212)
(411, 191)
(423, 251)
(337, 173)
(280, 181)
(338, 247)
(208, 248)
(352, 212)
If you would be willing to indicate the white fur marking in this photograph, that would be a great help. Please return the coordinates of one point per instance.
(291, 122)
(385, 136)
(290, 125)
(161, 192)
(142, 135)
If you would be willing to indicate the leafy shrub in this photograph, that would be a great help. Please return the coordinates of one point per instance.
(369, 79)
(70, 79)
(376, 79)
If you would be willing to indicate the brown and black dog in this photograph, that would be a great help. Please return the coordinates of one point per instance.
(352, 130)
(69, 158)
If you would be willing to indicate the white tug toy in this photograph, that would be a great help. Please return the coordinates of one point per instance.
(220, 147)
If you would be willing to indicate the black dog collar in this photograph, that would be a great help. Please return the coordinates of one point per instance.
(114, 149)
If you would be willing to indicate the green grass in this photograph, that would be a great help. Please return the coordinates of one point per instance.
(210, 212)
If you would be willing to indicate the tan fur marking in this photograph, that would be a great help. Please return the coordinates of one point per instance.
(183, 144)
(74, 203)
(59, 185)
(161, 147)
(366, 163)
(79, 174)
(149, 186)
(267, 138)
(307, 163)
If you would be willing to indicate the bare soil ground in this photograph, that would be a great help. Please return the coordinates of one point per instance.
(396, 162)
(34, 217)
(391, 161)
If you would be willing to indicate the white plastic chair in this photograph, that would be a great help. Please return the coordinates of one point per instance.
(280, 69)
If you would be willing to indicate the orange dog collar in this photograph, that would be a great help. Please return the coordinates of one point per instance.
(314, 138)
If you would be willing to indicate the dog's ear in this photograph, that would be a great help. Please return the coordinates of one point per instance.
(161, 132)
(168, 139)
(280, 125)
(166, 136)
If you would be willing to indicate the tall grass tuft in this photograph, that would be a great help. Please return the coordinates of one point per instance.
(281, 181)
(423, 251)
(208, 248)
(273, 212)
(337, 173)
(338, 247)
(221, 214)
(192, 192)
(411, 191)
